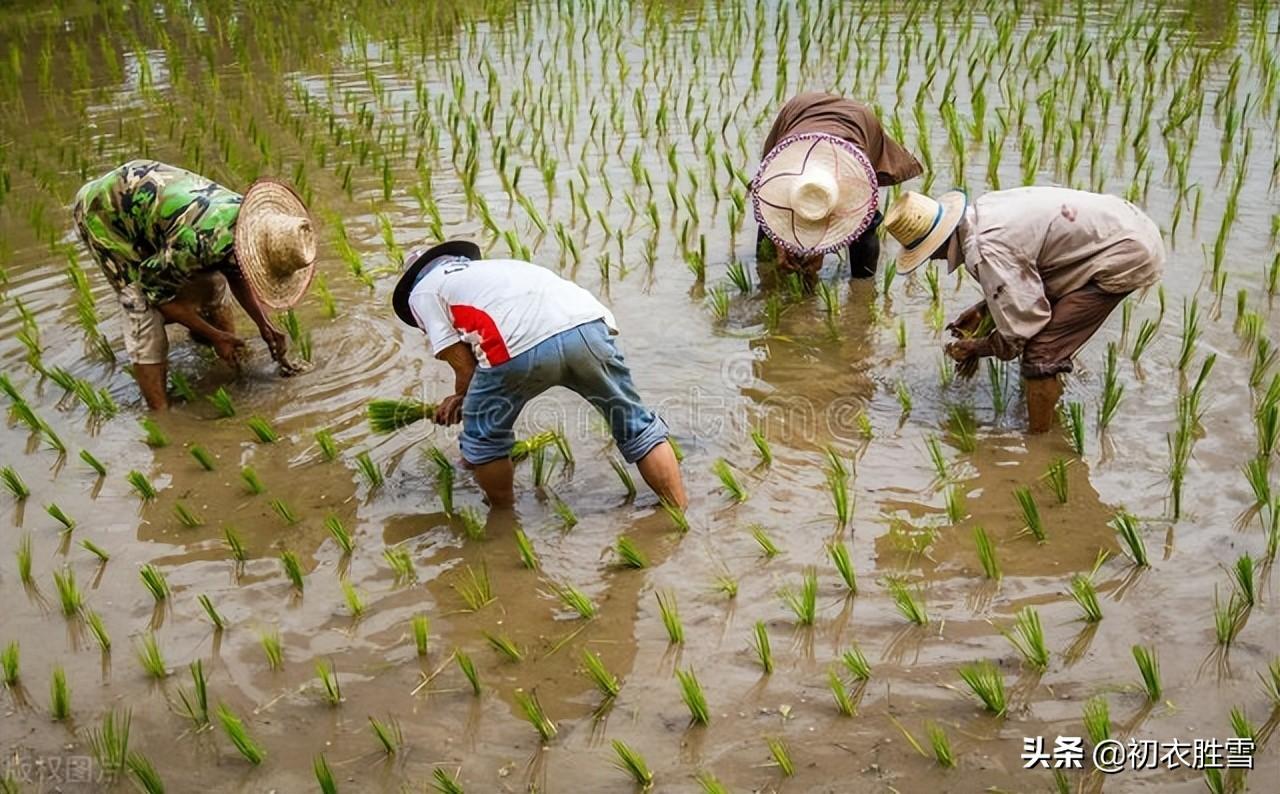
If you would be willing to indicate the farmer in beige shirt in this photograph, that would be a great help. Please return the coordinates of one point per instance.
(1053, 263)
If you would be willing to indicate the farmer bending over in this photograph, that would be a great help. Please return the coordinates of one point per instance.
(809, 210)
(511, 330)
(1052, 263)
(171, 243)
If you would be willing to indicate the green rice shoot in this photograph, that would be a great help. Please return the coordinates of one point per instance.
(767, 547)
(239, 735)
(535, 714)
(631, 762)
(987, 683)
(1149, 668)
(670, 612)
(693, 696)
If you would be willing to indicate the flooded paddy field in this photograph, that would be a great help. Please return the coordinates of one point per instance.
(613, 142)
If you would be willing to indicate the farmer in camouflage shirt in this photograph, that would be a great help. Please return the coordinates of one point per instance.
(172, 243)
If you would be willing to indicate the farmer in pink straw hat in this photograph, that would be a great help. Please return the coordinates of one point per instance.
(172, 243)
(812, 206)
(1053, 264)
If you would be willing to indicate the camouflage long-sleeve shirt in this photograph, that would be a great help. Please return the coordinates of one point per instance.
(156, 225)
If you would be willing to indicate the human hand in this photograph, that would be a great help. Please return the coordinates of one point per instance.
(229, 348)
(964, 350)
(449, 411)
(969, 321)
(276, 341)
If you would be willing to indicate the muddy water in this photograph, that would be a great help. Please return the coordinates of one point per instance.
(222, 90)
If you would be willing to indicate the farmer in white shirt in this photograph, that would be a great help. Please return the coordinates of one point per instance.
(511, 330)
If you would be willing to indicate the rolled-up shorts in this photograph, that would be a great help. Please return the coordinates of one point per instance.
(145, 339)
(585, 360)
(1076, 317)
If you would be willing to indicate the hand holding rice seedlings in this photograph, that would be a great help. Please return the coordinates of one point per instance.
(13, 483)
(535, 714)
(767, 547)
(629, 554)
(694, 698)
(1027, 638)
(141, 485)
(987, 683)
(329, 686)
(186, 516)
(109, 742)
(729, 481)
(9, 664)
(631, 762)
(327, 444)
(1149, 666)
(670, 612)
(910, 603)
(474, 588)
(282, 509)
(150, 656)
(781, 756)
(468, 669)
(155, 436)
(803, 601)
(69, 595)
(194, 703)
(59, 695)
(239, 736)
(262, 430)
(272, 648)
(292, 568)
(1126, 527)
(401, 563)
(387, 733)
(93, 463)
(222, 402)
(1073, 421)
(941, 745)
(1030, 513)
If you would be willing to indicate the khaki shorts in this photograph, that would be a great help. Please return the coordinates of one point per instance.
(145, 339)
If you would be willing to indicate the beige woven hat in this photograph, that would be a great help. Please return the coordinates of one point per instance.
(921, 225)
(814, 193)
(275, 244)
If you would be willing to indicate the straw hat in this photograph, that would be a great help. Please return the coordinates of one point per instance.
(922, 224)
(274, 243)
(814, 193)
(414, 264)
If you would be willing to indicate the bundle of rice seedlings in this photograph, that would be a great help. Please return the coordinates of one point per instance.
(679, 520)
(1030, 513)
(1086, 596)
(421, 627)
(986, 682)
(329, 685)
(355, 601)
(1244, 576)
(1241, 726)
(468, 669)
(767, 546)
(252, 482)
(1056, 476)
(59, 695)
(910, 603)
(141, 485)
(781, 756)
(69, 595)
(939, 461)
(58, 515)
(14, 484)
(387, 733)
(194, 703)
(624, 476)
(527, 446)
(281, 508)
(144, 774)
(202, 457)
(9, 664)
(262, 430)
(239, 735)
(23, 555)
(93, 463)
(272, 648)
(955, 503)
(338, 531)
(986, 554)
(838, 485)
(445, 783)
(234, 544)
(803, 602)
(528, 556)
(1073, 421)
(1027, 638)
(324, 775)
(327, 444)
(150, 656)
(1229, 618)
(762, 446)
(856, 663)
(109, 742)
(732, 486)
(221, 401)
(186, 516)
(568, 518)
(605, 681)
(1149, 667)
(535, 714)
(574, 599)
(629, 554)
(631, 762)
(401, 563)
(504, 646)
(474, 588)
(840, 694)
(694, 698)
(670, 612)
(839, 554)
(369, 470)
(99, 630)
(1270, 682)
(1126, 526)
(1097, 719)
(155, 436)
(292, 567)
(445, 474)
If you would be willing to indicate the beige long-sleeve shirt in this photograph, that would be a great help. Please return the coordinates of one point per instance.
(1029, 246)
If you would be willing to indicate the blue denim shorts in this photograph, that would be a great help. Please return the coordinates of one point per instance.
(584, 360)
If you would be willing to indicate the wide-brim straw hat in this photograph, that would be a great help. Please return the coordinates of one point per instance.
(921, 225)
(814, 193)
(415, 262)
(275, 243)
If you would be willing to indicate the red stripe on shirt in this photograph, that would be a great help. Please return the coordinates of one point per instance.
(469, 319)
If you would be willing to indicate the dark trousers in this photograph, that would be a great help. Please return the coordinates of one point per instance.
(1076, 317)
(864, 252)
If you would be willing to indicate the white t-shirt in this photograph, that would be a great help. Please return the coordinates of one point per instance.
(501, 307)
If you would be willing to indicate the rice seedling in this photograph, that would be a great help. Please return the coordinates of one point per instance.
(629, 554)
(186, 516)
(155, 437)
(234, 544)
(327, 444)
(1027, 638)
(329, 684)
(58, 515)
(986, 554)
(803, 601)
(14, 484)
(93, 463)
(1146, 333)
(843, 701)
(679, 520)
(840, 558)
(631, 762)
(605, 681)
(445, 475)
(841, 501)
(151, 658)
(505, 647)
(109, 743)
(1086, 597)
(23, 554)
(155, 582)
(59, 694)
(1228, 618)
(574, 599)
(194, 703)
(292, 568)
(98, 629)
(474, 588)
(215, 617)
(252, 482)
(781, 756)
(1056, 476)
(729, 481)
(1126, 527)
(338, 531)
(903, 392)
(693, 696)
(239, 736)
(387, 733)
(535, 714)
(718, 299)
(262, 430)
(910, 603)
(1073, 421)
(281, 508)
(1241, 726)
(1097, 719)
(568, 518)
(9, 663)
(369, 470)
(955, 503)
(468, 669)
(767, 547)
(1112, 389)
(624, 476)
(856, 663)
(524, 546)
(1243, 575)
(963, 427)
(1190, 333)
(401, 563)
(324, 775)
(421, 627)
(939, 461)
(388, 416)
(670, 612)
(442, 782)
(1257, 472)
(141, 485)
(69, 595)
(1270, 682)
(202, 457)
(145, 776)
(986, 682)
(355, 601)
(222, 402)
(941, 745)
(1149, 667)
(1032, 522)
(762, 447)
(272, 648)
